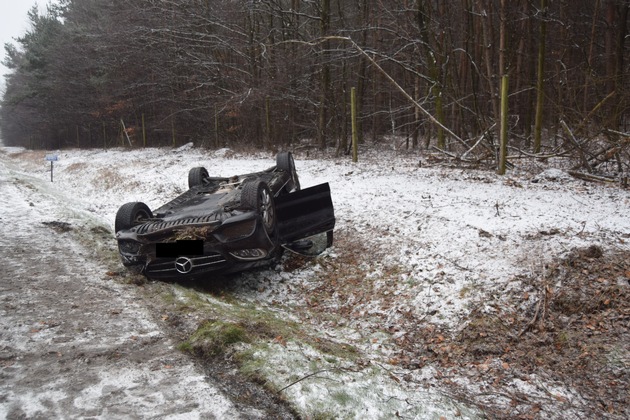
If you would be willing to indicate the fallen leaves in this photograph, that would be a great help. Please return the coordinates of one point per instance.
(579, 322)
(280, 340)
(560, 398)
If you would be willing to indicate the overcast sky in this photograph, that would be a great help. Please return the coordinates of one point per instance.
(14, 23)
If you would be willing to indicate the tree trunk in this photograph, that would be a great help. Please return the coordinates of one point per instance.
(540, 80)
(433, 70)
(622, 32)
(503, 126)
(503, 137)
(324, 76)
(486, 29)
(589, 59)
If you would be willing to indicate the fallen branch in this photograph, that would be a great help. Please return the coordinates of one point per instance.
(449, 154)
(577, 144)
(590, 177)
(606, 154)
(620, 133)
(306, 377)
(525, 154)
(455, 263)
(483, 136)
(595, 108)
(533, 321)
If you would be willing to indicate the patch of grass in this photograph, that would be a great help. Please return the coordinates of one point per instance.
(467, 290)
(259, 325)
(562, 338)
(194, 299)
(136, 279)
(323, 415)
(185, 347)
(342, 398)
(331, 360)
(250, 365)
(339, 350)
(268, 325)
(213, 338)
(168, 296)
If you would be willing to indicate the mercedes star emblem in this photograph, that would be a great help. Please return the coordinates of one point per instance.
(183, 265)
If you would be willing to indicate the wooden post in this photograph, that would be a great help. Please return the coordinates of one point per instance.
(144, 133)
(173, 130)
(504, 126)
(353, 110)
(216, 127)
(540, 95)
(267, 123)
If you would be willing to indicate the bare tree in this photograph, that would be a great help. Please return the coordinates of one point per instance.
(266, 74)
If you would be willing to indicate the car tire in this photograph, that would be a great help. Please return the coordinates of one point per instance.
(131, 214)
(197, 176)
(257, 195)
(285, 162)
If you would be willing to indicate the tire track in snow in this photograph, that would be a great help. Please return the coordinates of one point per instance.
(73, 344)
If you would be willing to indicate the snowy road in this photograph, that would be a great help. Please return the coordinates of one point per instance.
(73, 343)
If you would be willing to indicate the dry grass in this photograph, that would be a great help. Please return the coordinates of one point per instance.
(108, 179)
(33, 158)
(76, 167)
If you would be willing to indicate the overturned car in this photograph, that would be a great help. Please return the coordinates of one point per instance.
(225, 225)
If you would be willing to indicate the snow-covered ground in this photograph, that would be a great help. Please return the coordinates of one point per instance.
(414, 239)
(74, 344)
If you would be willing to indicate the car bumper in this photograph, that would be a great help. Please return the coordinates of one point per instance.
(235, 246)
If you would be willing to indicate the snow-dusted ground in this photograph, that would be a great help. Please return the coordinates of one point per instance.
(73, 343)
(429, 242)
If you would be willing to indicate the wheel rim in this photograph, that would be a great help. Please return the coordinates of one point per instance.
(266, 210)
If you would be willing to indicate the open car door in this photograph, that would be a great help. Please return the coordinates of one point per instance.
(304, 214)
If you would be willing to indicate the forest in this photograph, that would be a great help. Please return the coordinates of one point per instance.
(269, 74)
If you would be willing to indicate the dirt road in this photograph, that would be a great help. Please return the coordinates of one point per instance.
(73, 342)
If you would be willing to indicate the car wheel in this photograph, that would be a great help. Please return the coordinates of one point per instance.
(197, 176)
(285, 162)
(130, 215)
(256, 195)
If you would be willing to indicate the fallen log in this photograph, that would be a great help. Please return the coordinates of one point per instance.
(590, 177)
